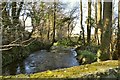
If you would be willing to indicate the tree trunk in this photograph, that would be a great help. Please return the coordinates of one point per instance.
(98, 29)
(81, 18)
(15, 20)
(48, 32)
(106, 39)
(54, 22)
(89, 23)
(118, 35)
(107, 25)
(68, 25)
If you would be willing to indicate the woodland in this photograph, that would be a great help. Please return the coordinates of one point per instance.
(46, 29)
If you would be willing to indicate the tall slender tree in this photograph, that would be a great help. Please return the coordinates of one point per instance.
(98, 29)
(54, 22)
(81, 18)
(89, 23)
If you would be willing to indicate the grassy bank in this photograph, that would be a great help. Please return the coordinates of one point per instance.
(96, 70)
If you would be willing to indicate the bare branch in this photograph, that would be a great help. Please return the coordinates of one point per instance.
(15, 41)
(22, 44)
(27, 40)
(5, 49)
(29, 43)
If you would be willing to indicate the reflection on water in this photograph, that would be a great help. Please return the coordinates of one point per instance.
(42, 61)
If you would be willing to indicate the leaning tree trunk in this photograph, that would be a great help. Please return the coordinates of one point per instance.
(106, 39)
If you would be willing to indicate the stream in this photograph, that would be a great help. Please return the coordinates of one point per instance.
(43, 60)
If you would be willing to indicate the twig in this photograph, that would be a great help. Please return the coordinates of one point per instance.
(14, 41)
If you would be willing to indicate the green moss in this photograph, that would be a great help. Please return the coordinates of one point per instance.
(73, 72)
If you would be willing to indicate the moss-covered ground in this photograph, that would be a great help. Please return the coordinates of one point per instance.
(73, 72)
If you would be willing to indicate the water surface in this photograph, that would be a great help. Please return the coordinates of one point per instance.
(41, 61)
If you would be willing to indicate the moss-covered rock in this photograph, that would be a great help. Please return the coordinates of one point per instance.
(95, 70)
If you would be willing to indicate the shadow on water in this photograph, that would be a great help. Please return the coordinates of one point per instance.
(42, 61)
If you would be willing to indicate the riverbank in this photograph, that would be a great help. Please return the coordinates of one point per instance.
(104, 69)
(21, 52)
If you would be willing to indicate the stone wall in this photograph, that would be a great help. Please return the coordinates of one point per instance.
(111, 74)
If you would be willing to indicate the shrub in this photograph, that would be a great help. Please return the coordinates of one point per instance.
(86, 57)
(102, 56)
(66, 42)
